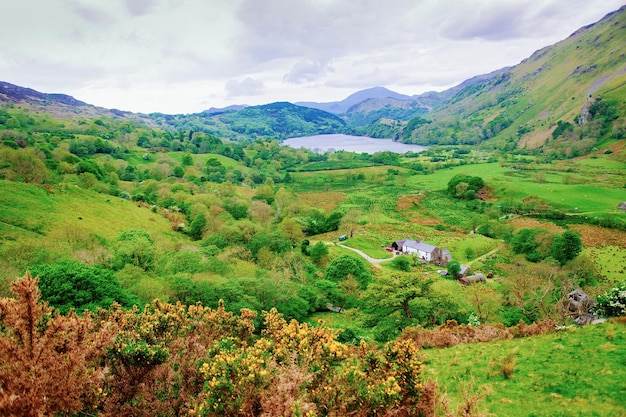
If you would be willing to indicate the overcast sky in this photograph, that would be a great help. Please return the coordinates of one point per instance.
(185, 56)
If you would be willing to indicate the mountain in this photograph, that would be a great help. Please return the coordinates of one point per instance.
(279, 120)
(60, 105)
(565, 98)
(14, 93)
(341, 107)
(232, 107)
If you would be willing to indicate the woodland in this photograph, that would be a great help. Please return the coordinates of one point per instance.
(191, 264)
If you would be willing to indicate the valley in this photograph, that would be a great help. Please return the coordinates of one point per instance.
(195, 264)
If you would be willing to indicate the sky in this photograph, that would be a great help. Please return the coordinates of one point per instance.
(186, 56)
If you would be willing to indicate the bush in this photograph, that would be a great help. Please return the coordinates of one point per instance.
(613, 302)
(70, 285)
(402, 263)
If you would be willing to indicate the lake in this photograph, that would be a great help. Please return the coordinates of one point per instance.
(358, 144)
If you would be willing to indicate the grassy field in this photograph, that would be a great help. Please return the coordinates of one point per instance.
(43, 225)
(577, 372)
(610, 262)
(370, 245)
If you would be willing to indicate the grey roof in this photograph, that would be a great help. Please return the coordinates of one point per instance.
(419, 245)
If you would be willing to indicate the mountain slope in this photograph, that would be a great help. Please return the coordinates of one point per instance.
(275, 120)
(341, 107)
(59, 105)
(525, 104)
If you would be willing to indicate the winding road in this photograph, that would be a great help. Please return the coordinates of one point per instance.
(374, 261)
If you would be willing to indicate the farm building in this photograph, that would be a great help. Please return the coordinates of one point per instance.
(424, 251)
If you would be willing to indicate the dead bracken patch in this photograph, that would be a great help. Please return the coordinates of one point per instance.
(327, 200)
(407, 202)
(419, 216)
(597, 237)
(530, 223)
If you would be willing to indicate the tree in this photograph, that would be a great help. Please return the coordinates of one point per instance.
(24, 165)
(460, 184)
(71, 285)
(135, 247)
(566, 247)
(339, 268)
(318, 251)
(178, 171)
(196, 228)
(402, 263)
(187, 160)
(393, 302)
(454, 269)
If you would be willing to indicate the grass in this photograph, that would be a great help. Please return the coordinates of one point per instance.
(37, 223)
(370, 245)
(577, 372)
(610, 262)
(462, 249)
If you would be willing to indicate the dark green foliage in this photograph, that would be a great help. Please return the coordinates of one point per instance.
(412, 125)
(134, 247)
(524, 241)
(215, 239)
(329, 294)
(461, 184)
(237, 210)
(318, 223)
(563, 248)
(178, 171)
(275, 241)
(566, 247)
(339, 269)
(454, 269)
(187, 160)
(561, 128)
(130, 174)
(402, 263)
(393, 302)
(281, 120)
(71, 285)
(318, 251)
(196, 228)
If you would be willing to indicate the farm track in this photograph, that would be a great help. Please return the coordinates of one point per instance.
(480, 258)
(368, 258)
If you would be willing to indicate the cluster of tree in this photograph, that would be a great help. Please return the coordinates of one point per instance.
(538, 244)
(465, 186)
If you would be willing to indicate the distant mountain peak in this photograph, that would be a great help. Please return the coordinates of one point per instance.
(16, 94)
(341, 107)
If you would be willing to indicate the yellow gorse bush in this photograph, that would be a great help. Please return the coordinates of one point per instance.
(172, 359)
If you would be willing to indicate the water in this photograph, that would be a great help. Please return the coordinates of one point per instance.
(358, 144)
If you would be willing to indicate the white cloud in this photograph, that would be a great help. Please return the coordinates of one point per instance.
(306, 71)
(194, 54)
(244, 88)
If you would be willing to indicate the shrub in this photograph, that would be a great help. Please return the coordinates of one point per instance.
(613, 302)
(402, 263)
(71, 285)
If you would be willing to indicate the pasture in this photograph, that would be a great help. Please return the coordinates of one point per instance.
(580, 371)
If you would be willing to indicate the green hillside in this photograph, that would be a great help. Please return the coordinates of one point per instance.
(575, 372)
(522, 107)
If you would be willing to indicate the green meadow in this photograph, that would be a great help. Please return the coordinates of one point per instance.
(579, 371)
